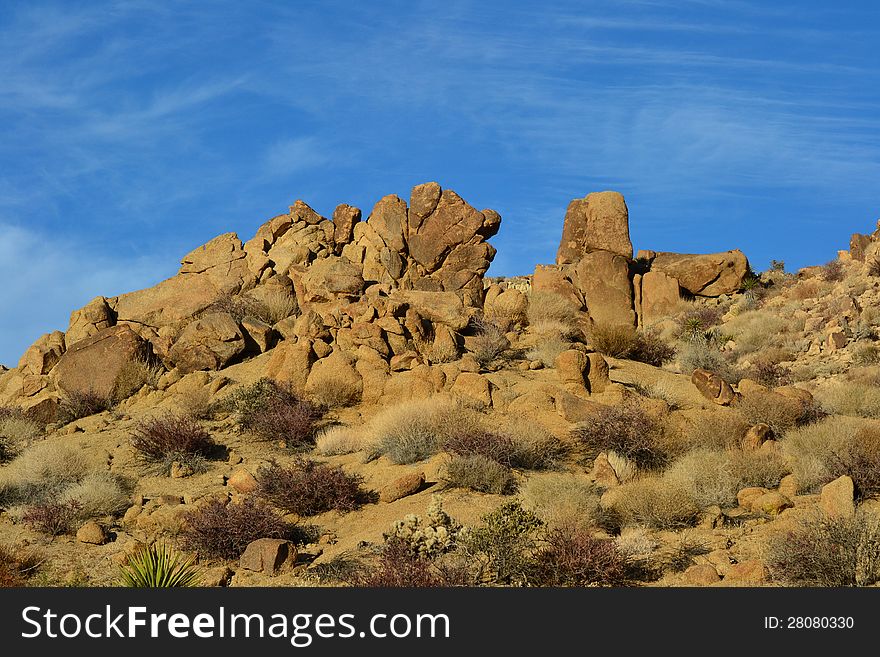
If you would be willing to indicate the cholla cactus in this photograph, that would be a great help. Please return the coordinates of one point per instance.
(427, 536)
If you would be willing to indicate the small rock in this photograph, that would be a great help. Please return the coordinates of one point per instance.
(756, 436)
(181, 470)
(789, 486)
(700, 575)
(772, 503)
(746, 572)
(835, 340)
(234, 457)
(91, 533)
(746, 496)
(836, 498)
(215, 577)
(603, 474)
(131, 513)
(406, 485)
(267, 555)
(242, 481)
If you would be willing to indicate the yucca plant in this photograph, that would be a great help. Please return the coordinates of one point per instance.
(158, 566)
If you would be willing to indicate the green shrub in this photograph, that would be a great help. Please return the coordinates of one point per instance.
(427, 536)
(502, 545)
(158, 566)
(828, 552)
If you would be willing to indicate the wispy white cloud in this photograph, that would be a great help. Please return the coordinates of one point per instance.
(288, 156)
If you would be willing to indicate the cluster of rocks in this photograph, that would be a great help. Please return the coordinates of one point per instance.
(369, 304)
(596, 270)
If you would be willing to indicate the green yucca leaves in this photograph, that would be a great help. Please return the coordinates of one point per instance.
(158, 566)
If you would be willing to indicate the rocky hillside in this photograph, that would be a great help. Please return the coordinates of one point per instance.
(341, 401)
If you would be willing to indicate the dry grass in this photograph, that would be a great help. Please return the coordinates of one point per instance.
(701, 356)
(562, 500)
(99, 494)
(338, 439)
(480, 474)
(413, 431)
(756, 330)
(627, 429)
(551, 306)
(714, 476)
(489, 342)
(274, 305)
(41, 472)
(134, 375)
(854, 399)
(331, 392)
(654, 502)
(810, 451)
(546, 349)
(16, 431)
(715, 429)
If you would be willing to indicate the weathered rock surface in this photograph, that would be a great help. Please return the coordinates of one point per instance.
(597, 222)
(208, 343)
(708, 275)
(93, 365)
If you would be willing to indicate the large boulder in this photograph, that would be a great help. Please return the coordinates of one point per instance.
(208, 343)
(43, 355)
(604, 279)
(708, 275)
(597, 222)
(438, 307)
(344, 219)
(88, 320)
(93, 365)
(328, 279)
(211, 272)
(660, 296)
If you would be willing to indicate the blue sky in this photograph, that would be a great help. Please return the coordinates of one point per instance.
(135, 131)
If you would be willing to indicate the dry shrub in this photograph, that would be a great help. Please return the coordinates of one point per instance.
(866, 354)
(808, 289)
(519, 445)
(769, 374)
(274, 305)
(17, 566)
(859, 457)
(756, 330)
(573, 557)
(855, 399)
(168, 438)
(810, 450)
(41, 472)
(553, 328)
(544, 305)
(339, 439)
(832, 271)
(415, 430)
(99, 494)
(398, 567)
(664, 390)
(627, 429)
(828, 552)
(223, 531)
(77, 405)
(308, 488)
(562, 499)
(16, 431)
(134, 375)
(53, 518)
(478, 473)
(619, 341)
(700, 356)
(624, 468)
(332, 392)
(269, 411)
(715, 429)
(503, 544)
(715, 476)
(781, 414)
(489, 342)
(654, 502)
(546, 349)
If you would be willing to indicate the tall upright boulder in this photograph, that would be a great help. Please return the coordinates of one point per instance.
(597, 222)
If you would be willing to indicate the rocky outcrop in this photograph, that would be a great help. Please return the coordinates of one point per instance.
(709, 275)
(604, 279)
(208, 343)
(659, 296)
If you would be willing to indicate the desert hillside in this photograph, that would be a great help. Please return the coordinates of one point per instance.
(353, 401)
